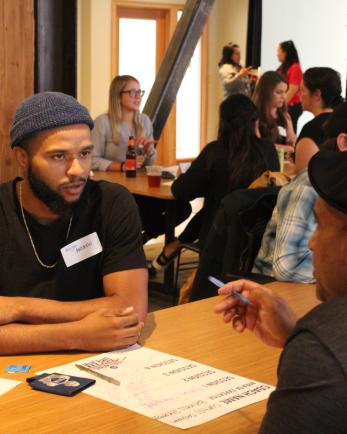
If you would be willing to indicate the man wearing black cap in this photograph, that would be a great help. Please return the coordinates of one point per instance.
(311, 393)
(72, 269)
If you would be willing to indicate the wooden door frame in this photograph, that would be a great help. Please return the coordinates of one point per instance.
(168, 136)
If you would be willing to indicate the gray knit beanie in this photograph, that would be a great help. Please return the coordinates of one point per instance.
(44, 111)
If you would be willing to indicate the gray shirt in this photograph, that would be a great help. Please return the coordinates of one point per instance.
(106, 150)
(311, 393)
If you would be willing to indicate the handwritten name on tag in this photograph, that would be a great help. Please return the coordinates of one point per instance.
(81, 249)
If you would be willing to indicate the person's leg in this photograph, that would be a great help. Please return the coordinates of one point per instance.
(189, 235)
(152, 213)
(192, 230)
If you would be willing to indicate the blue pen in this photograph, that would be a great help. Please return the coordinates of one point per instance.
(235, 294)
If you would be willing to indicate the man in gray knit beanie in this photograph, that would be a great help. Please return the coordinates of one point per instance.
(44, 111)
(72, 257)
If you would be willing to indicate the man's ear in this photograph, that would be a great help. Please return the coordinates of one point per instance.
(341, 141)
(21, 157)
(317, 94)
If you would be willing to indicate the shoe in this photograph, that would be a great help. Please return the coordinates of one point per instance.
(162, 261)
(152, 272)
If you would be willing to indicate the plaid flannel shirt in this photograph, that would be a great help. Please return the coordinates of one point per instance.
(284, 252)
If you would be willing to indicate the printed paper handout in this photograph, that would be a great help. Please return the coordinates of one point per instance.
(6, 385)
(171, 389)
(106, 367)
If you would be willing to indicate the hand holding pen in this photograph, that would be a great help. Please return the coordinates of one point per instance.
(265, 314)
(235, 294)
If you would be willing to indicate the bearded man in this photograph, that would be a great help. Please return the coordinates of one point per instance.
(72, 268)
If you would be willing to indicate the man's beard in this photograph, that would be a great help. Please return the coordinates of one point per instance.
(56, 203)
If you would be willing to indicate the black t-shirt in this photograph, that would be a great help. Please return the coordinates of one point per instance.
(314, 129)
(105, 208)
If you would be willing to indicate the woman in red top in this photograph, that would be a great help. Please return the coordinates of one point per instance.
(290, 67)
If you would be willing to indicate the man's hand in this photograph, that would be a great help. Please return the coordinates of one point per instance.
(267, 315)
(107, 329)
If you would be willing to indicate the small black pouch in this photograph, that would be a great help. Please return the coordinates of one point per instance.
(60, 384)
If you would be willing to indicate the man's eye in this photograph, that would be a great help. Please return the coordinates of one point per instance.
(58, 157)
(86, 154)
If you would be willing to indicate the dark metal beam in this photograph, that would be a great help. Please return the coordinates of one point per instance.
(56, 47)
(176, 61)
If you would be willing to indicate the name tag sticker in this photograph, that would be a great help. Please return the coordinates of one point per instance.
(282, 131)
(81, 249)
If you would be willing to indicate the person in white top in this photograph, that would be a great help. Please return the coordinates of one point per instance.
(235, 78)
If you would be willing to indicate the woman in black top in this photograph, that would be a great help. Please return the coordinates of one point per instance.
(233, 161)
(320, 93)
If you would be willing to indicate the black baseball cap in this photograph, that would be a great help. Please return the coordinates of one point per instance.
(327, 171)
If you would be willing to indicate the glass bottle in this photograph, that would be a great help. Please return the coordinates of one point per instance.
(130, 159)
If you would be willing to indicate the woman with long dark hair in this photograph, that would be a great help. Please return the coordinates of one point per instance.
(320, 94)
(233, 161)
(234, 77)
(275, 123)
(290, 67)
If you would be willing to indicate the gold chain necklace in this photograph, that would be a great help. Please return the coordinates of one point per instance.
(29, 235)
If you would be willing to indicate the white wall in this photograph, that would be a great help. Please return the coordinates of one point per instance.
(317, 28)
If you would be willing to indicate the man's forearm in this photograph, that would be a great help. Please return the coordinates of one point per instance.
(24, 338)
(40, 310)
(102, 330)
(131, 292)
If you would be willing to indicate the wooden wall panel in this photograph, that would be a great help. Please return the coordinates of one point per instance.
(16, 70)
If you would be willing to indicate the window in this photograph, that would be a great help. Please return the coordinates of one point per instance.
(140, 56)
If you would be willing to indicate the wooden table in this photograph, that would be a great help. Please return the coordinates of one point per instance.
(192, 331)
(139, 185)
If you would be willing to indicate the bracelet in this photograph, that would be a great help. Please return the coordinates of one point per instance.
(121, 166)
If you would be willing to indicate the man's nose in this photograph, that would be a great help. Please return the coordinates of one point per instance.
(75, 168)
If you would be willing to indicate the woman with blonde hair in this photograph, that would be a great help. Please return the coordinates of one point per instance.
(110, 139)
(123, 119)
